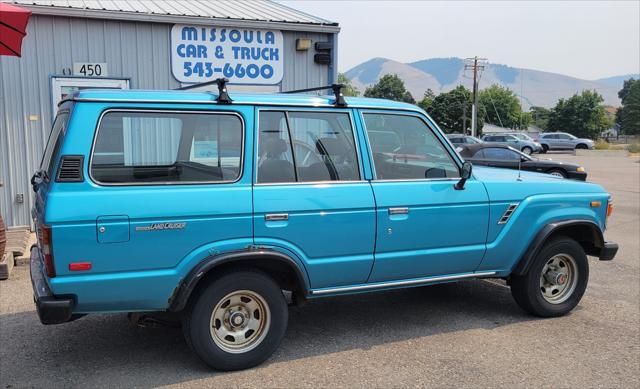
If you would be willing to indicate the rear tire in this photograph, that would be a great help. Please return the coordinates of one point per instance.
(237, 321)
(540, 291)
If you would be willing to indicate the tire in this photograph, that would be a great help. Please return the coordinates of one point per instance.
(536, 294)
(527, 150)
(249, 296)
(581, 146)
(557, 173)
(545, 148)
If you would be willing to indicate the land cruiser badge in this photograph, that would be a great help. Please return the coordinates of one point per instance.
(162, 226)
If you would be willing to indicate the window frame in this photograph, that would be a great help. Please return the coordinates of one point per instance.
(286, 110)
(55, 152)
(175, 111)
(437, 133)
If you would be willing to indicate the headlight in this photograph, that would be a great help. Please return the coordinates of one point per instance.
(580, 169)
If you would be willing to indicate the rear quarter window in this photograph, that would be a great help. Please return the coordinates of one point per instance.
(55, 142)
(148, 147)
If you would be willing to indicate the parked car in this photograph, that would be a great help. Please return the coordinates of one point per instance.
(499, 155)
(458, 139)
(526, 146)
(563, 141)
(207, 207)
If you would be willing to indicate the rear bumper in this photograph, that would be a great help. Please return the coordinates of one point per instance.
(51, 309)
(608, 252)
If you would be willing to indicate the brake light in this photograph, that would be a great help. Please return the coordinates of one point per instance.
(47, 250)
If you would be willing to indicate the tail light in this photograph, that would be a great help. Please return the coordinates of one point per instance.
(47, 250)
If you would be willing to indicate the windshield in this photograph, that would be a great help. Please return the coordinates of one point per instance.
(473, 139)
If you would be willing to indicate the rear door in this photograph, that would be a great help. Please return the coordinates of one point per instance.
(424, 226)
(310, 197)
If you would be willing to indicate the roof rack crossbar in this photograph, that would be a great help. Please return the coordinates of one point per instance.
(336, 88)
(223, 95)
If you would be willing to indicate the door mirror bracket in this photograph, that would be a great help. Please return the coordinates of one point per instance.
(465, 174)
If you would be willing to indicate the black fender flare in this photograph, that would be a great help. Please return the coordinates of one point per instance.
(187, 285)
(596, 238)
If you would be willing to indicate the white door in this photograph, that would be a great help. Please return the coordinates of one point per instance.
(61, 87)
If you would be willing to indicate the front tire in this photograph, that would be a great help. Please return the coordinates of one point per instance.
(555, 281)
(527, 150)
(237, 321)
(557, 173)
(545, 148)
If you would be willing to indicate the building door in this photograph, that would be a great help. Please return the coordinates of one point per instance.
(62, 87)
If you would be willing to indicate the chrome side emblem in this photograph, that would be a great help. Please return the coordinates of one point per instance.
(507, 214)
(162, 226)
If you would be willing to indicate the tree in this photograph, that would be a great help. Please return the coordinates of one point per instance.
(427, 100)
(628, 116)
(502, 107)
(452, 110)
(583, 115)
(390, 87)
(540, 117)
(348, 90)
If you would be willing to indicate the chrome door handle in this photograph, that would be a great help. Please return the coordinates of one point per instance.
(271, 217)
(399, 211)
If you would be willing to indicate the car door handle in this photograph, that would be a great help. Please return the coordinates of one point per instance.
(399, 211)
(272, 217)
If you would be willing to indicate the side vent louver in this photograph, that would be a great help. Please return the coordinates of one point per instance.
(507, 214)
(70, 169)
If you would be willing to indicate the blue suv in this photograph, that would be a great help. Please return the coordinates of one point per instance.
(212, 206)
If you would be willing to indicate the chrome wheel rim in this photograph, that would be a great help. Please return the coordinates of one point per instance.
(240, 321)
(559, 278)
(557, 174)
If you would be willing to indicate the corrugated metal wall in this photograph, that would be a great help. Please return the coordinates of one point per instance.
(139, 51)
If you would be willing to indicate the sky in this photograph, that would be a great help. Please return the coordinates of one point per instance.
(583, 39)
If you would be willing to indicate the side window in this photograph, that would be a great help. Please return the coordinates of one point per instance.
(163, 147)
(54, 142)
(312, 146)
(416, 152)
(563, 137)
(500, 154)
(479, 154)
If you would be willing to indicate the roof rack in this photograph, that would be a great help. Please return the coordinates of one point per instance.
(223, 95)
(336, 88)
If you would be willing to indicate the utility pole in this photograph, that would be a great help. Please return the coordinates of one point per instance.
(474, 108)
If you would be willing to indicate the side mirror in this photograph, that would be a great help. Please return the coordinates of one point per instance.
(465, 174)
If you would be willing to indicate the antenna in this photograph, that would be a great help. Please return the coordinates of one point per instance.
(519, 169)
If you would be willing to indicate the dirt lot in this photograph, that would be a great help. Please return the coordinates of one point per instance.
(469, 334)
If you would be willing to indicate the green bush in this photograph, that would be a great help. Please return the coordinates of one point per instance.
(602, 145)
(634, 148)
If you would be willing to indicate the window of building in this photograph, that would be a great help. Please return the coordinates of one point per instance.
(416, 152)
(167, 147)
(306, 147)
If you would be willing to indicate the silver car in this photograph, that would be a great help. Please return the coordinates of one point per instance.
(526, 146)
(563, 141)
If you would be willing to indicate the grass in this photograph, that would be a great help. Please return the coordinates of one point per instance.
(634, 148)
(602, 145)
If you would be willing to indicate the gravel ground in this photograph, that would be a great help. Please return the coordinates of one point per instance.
(467, 334)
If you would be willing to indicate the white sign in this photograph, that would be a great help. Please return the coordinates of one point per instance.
(90, 69)
(244, 56)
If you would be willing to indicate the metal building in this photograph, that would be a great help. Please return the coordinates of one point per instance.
(259, 45)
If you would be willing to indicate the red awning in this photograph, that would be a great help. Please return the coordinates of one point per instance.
(13, 27)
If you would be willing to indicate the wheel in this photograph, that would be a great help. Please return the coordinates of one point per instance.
(237, 321)
(545, 148)
(527, 150)
(555, 281)
(581, 146)
(557, 173)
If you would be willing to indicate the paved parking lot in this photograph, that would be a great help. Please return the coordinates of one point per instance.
(468, 334)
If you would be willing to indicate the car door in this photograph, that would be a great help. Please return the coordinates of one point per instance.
(425, 227)
(310, 198)
(500, 157)
(565, 141)
(553, 141)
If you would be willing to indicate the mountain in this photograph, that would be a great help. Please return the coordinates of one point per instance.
(617, 81)
(443, 74)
